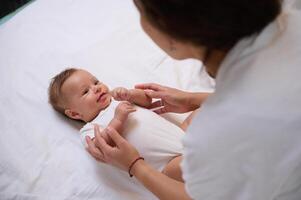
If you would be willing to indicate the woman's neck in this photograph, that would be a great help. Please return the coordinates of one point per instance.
(213, 61)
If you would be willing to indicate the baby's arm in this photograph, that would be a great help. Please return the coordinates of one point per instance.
(136, 96)
(120, 116)
(173, 169)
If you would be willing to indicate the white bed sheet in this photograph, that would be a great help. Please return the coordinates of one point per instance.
(41, 156)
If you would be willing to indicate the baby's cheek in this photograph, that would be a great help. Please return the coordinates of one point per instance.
(106, 89)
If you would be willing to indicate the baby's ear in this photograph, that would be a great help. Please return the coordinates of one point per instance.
(72, 114)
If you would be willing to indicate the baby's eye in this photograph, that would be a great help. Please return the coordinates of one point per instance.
(85, 91)
(96, 82)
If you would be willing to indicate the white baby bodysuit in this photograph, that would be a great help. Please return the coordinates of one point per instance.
(156, 139)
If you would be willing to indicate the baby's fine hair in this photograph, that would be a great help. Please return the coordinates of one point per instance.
(54, 91)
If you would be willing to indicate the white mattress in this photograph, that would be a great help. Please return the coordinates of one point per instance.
(41, 156)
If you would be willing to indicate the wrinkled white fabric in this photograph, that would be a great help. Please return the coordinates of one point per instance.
(246, 142)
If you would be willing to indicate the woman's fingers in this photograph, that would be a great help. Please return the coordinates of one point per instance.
(155, 94)
(96, 158)
(98, 136)
(113, 93)
(115, 136)
(129, 104)
(161, 110)
(103, 146)
(156, 104)
(93, 150)
(120, 155)
(150, 86)
(96, 132)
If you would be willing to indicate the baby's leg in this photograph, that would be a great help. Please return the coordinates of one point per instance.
(173, 169)
(188, 120)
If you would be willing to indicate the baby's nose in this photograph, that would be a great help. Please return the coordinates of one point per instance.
(96, 89)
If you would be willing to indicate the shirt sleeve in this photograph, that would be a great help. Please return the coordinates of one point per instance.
(87, 130)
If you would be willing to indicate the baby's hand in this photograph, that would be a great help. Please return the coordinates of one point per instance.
(123, 110)
(121, 94)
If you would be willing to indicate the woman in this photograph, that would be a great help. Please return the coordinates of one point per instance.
(246, 142)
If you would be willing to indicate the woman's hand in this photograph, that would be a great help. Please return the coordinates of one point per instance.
(120, 156)
(123, 154)
(171, 99)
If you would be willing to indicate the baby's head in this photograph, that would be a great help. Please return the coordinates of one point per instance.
(78, 94)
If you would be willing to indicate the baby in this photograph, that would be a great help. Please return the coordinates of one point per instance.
(79, 95)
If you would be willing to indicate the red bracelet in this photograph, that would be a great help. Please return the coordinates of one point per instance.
(133, 163)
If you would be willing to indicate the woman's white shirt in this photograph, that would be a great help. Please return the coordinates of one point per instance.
(245, 144)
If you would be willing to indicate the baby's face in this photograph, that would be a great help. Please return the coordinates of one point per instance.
(84, 96)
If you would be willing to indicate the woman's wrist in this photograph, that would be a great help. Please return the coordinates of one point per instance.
(133, 164)
(196, 99)
(138, 168)
(158, 183)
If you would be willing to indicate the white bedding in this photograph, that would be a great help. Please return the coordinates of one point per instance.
(41, 156)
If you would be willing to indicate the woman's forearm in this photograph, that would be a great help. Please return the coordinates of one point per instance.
(159, 184)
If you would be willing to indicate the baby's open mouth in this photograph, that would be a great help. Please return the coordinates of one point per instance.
(100, 96)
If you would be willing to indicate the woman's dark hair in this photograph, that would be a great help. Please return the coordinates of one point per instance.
(216, 24)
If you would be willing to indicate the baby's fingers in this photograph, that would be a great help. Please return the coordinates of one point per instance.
(114, 94)
(131, 110)
(130, 107)
(127, 103)
(124, 96)
(118, 95)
